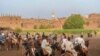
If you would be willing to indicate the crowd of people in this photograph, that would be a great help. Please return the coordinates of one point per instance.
(45, 45)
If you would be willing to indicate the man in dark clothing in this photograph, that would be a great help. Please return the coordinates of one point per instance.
(29, 47)
(2, 39)
(38, 49)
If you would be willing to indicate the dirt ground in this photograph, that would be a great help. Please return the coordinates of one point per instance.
(94, 49)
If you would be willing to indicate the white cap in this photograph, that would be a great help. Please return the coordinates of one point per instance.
(2, 34)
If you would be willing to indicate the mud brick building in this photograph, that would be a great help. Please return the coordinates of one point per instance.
(92, 21)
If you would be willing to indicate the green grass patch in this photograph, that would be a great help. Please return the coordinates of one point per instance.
(70, 31)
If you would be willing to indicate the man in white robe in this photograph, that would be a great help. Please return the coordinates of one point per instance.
(45, 45)
(68, 46)
(80, 41)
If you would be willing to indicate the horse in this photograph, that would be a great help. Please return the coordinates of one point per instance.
(81, 51)
(2, 45)
(11, 42)
(61, 52)
(87, 43)
(14, 42)
(56, 47)
(19, 41)
(67, 53)
(37, 45)
(29, 47)
(8, 43)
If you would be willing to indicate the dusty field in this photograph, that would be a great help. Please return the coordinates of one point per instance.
(94, 49)
(12, 53)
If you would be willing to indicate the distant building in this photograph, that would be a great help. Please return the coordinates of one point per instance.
(14, 22)
(92, 21)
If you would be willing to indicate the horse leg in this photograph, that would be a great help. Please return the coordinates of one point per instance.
(39, 52)
(31, 53)
(9, 46)
(84, 54)
(27, 53)
(12, 46)
(17, 46)
(0, 47)
(3, 47)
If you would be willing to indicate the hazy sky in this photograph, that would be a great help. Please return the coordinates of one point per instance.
(44, 8)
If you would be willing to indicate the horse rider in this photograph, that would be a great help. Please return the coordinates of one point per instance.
(80, 41)
(67, 46)
(46, 46)
(2, 38)
(37, 45)
(29, 47)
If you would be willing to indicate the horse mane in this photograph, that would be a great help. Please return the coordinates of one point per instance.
(78, 47)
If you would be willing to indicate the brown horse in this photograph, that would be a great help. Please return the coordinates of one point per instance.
(81, 51)
(2, 46)
(8, 43)
(67, 53)
(87, 43)
(11, 43)
(19, 42)
(29, 46)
